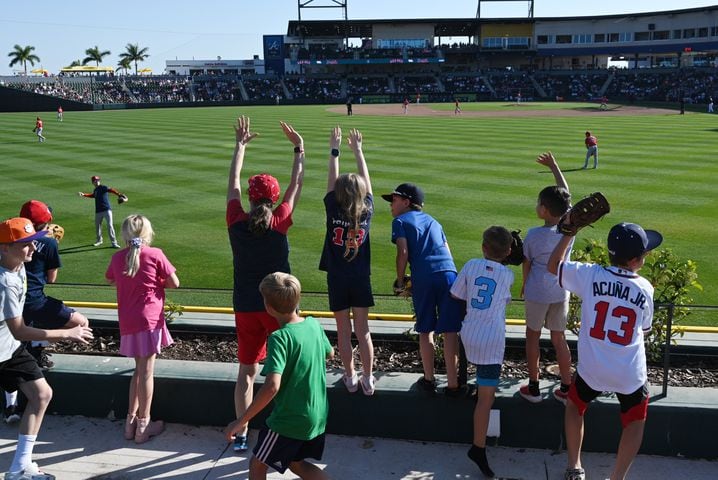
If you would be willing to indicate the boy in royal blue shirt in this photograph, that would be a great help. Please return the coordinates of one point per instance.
(421, 244)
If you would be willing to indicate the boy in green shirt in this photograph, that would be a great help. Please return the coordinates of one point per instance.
(295, 378)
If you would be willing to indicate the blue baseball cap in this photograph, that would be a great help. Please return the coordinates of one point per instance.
(629, 240)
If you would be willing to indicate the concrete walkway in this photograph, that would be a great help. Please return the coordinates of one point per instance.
(77, 448)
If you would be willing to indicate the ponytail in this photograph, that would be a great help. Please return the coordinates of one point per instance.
(351, 190)
(136, 231)
(260, 217)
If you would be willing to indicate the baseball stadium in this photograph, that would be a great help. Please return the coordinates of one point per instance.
(470, 110)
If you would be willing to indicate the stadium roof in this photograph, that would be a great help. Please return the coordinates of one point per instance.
(444, 27)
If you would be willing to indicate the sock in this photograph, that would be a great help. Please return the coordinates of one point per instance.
(478, 455)
(565, 387)
(534, 387)
(23, 453)
(10, 398)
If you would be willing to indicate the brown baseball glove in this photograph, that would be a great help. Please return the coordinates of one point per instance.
(403, 289)
(56, 231)
(586, 212)
(516, 256)
(122, 199)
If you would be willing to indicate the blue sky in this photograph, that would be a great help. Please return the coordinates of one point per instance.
(61, 31)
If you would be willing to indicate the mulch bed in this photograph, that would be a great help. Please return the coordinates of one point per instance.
(390, 356)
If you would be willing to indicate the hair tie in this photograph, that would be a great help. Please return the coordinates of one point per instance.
(136, 242)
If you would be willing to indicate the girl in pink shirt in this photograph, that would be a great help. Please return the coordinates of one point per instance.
(141, 273)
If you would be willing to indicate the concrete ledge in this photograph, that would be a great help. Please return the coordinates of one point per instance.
(201, 393)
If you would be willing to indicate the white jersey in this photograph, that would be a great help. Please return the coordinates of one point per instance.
(485, 285)
(617, 307)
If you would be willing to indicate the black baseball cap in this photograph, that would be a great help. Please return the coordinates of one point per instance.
(407, 190)
(629, 240)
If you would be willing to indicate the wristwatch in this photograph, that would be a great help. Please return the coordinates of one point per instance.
(335, 152)
(298, 150)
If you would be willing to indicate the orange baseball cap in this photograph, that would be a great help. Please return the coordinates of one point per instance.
(18, 229)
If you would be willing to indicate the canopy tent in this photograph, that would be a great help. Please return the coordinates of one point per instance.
(86, 69)
(145, 70)
(40, 71)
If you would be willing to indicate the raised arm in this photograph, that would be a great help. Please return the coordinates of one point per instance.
(558, 254)
(549, 160)
(294, 189)
(242, 138)
(335, 141)
(355, 143)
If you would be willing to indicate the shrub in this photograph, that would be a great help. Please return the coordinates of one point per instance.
(672, 279)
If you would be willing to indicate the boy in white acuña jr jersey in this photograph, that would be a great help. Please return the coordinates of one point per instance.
(485, 285)
(616, 310)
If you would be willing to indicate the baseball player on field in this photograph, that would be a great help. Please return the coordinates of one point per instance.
(616, 310)
(591, 150)
(485, 285)
(103, 210)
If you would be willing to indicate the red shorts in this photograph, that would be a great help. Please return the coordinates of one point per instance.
(253, 328)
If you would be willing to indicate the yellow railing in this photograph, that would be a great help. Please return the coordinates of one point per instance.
(393, 317)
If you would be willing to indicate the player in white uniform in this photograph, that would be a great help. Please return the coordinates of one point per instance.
(616, 309)
(485, 285)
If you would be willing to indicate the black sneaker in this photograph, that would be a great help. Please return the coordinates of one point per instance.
(12, 414)
(426, 385)
(460, 391)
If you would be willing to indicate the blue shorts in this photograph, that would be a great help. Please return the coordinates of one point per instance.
(345, 292)
(50, 315)
(436, 310)
(488, 375)
(278, 451)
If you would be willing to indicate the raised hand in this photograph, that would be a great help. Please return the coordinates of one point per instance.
(335, 138)
(546, 159)
(292, 134)
(355, 139)
(241, 131)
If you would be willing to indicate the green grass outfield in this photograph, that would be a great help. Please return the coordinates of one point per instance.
(658, 171)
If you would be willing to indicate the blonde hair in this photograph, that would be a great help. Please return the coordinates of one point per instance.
(281, 291)
(260, 216)
(350, 190)
(136, 231)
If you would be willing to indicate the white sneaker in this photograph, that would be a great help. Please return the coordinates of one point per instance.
(31, 472)
(97, 244)
(115, 245)
(352, 383)
(367, 384)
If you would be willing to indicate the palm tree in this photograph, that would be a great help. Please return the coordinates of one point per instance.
(23, 55)
(75, 63)
(94, 55)
(134, 54)
(124, 64)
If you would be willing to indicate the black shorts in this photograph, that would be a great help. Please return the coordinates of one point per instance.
(51, 315)
(345, 292)
(18, 369)
(634, 406)
(278, 452)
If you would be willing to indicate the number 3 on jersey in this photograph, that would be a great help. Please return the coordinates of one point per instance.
(485, 295)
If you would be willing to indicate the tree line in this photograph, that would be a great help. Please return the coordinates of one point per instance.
(133, 54)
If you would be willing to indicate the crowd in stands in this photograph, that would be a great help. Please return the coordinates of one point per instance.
(322, 89)
(158, 89)
(410, 85)
(334, 52)
(693, 85)
(217, 90)
(368, 86)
